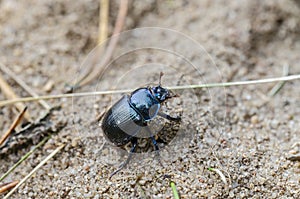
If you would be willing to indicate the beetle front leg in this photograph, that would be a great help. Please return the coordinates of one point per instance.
(168, 117)
(132, 150)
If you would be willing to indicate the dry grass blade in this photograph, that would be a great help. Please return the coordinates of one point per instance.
(238, 83)
(24, 158)
(8, 186)
(34, 170)
(70, 95)
(13, 126)
(23, 85)
(10, 94)
(223, 178)
(103, 20)
(196, 86)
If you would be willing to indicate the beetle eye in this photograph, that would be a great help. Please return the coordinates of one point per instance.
(158, 96)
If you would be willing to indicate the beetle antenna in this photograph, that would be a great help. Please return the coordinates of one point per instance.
(160, 75)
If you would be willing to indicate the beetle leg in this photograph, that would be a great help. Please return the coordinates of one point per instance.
(132, 150)
(154, 143)
(157, 155)
(168, 117)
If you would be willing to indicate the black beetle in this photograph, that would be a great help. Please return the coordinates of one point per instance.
(122, 123)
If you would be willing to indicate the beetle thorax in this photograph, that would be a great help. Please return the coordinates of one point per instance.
(143, 101)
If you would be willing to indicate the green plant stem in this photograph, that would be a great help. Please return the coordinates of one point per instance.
(174, 189)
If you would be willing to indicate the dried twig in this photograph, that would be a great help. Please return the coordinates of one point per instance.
(23, 85)
(10, 94)
(7, 186)
(34, 170)
(13, 126)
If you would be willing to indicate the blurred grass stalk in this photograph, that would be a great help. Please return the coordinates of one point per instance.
(103, 20)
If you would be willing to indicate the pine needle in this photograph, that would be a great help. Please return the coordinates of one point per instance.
(13, 126)
(8, 186)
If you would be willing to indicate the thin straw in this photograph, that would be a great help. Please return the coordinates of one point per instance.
(195, 86)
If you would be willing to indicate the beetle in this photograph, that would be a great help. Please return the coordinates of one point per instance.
(122, 123)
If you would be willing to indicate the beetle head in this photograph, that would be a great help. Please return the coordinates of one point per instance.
(160, 93)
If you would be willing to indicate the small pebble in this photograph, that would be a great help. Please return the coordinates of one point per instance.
(274, 124)
(74, 142)
(142, 182)
(48, 86)
(254, 119)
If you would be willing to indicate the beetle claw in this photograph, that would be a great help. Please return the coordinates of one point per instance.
(177, 119)
(121, 166)
(168, 117)
(134, 144)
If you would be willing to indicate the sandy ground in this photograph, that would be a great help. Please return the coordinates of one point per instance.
(240, 130)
